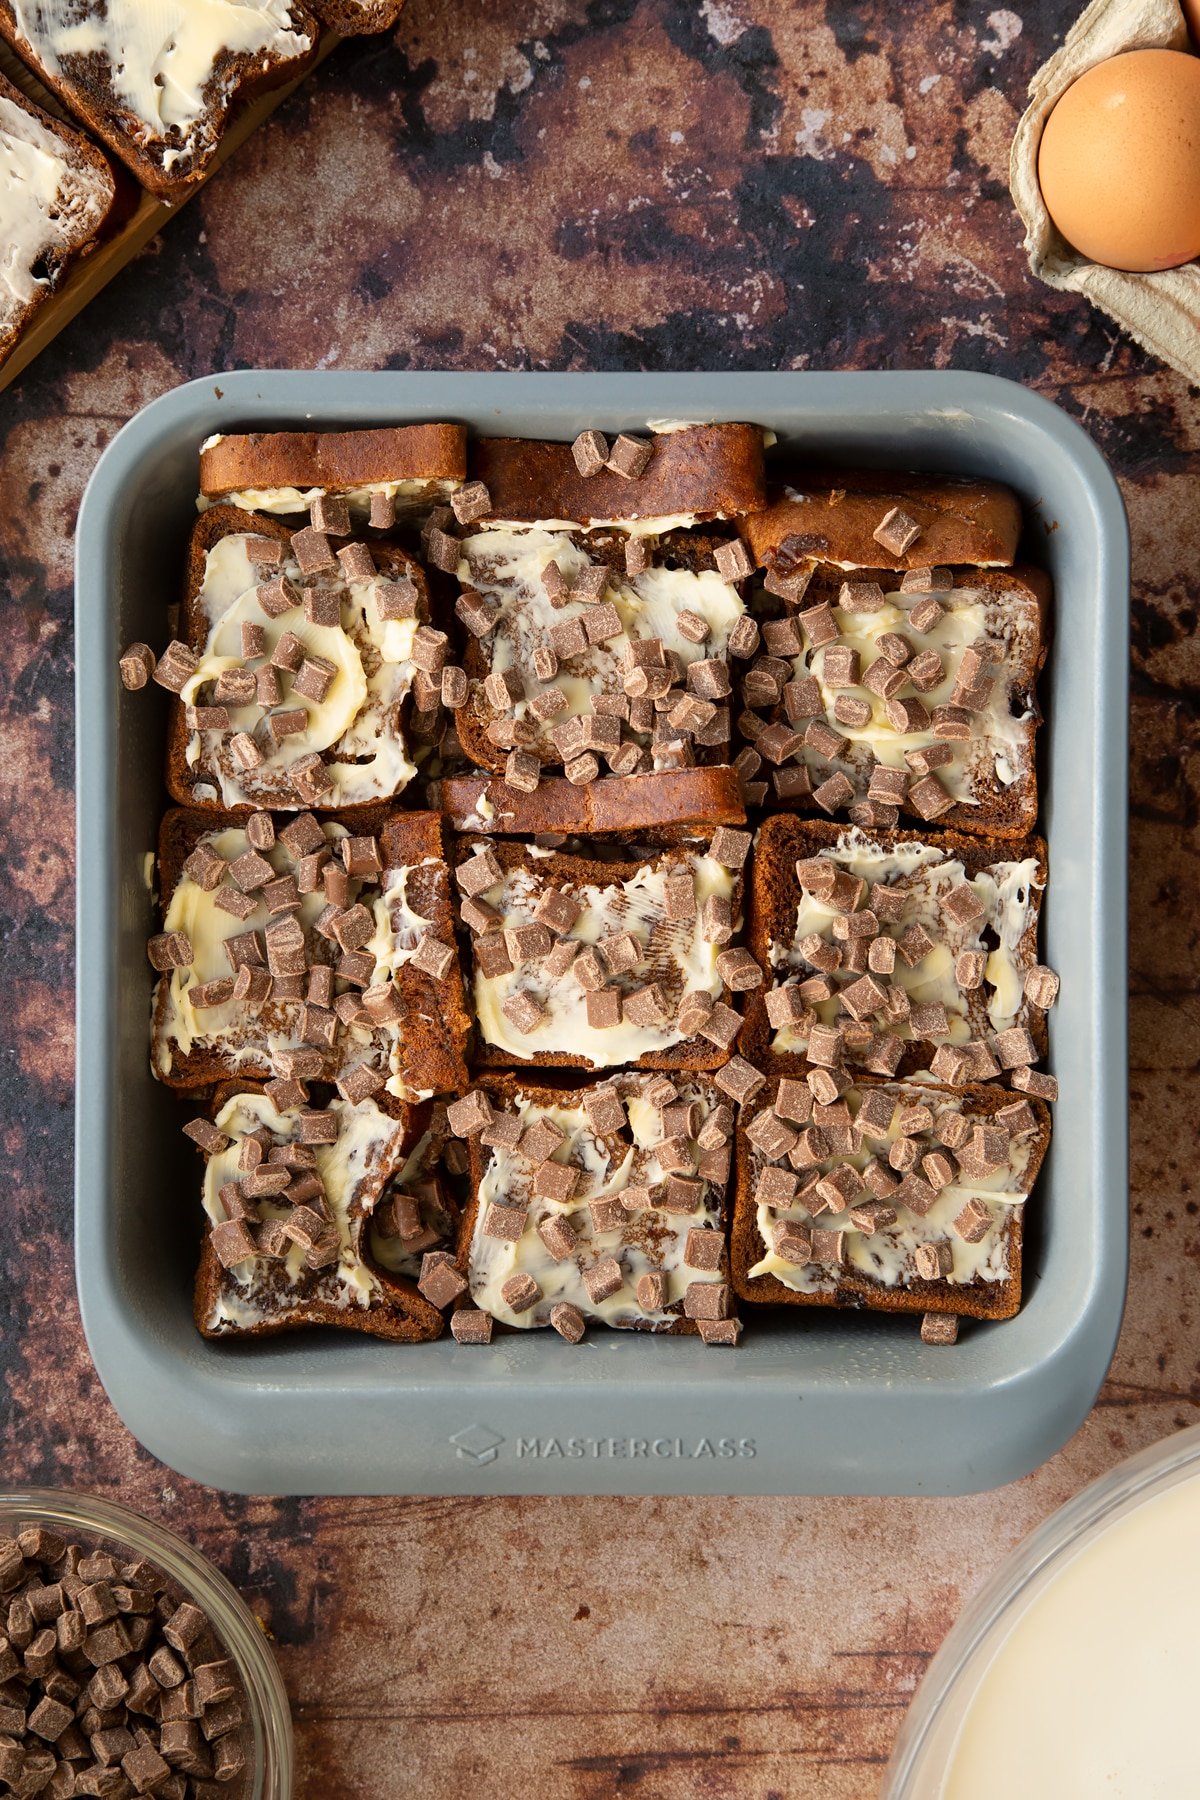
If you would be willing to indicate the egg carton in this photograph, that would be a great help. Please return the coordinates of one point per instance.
(1161, 311)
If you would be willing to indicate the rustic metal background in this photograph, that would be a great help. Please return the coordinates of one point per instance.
(554, 184)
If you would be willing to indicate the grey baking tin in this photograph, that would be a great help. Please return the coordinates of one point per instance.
(811, 1403)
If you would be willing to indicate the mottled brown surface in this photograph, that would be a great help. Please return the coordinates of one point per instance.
(734, 184)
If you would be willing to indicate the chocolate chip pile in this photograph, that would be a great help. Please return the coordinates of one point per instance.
(110, 1683)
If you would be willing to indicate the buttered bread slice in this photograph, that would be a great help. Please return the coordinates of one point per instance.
(826, 520)
(56, 194)
(894, 952)
(917, 695)
(158, 83)
(289, 1192)
(588, 963)
(293, 686)
(894, 1196)
(382, 473)
(306, 949)
(597, 1205)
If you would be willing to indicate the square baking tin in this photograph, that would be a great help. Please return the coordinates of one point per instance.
(812, 1402)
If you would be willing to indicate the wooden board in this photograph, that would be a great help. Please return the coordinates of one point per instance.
(142, 214)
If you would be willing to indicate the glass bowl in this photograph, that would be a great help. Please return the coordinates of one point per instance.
(106, 1525)
(923, 1756)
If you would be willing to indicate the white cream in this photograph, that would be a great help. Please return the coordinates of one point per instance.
(1006, 892)
(999, 751)
(47, 203)
(886, 1255)
(161, 53)
(645, 1241)
(676, 954)
(1093, 1691)
(357, 720)
(366, 1136)
(407, 494)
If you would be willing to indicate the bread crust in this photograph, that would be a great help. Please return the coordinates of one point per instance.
(333, 460)
(399, 1313)
(503, 1090)
(781, 841)
(999, 811)
(236, 79)
(89, 233)
(709, 470)
(224, 521)
(673, 802)
(434, 1027)
(554, 870)
(827, 517)
(977, 1299)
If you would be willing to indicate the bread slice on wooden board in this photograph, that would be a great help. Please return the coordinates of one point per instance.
(828, 518)
(618, 647)
(672, 804)
(353, 17)
(579, 1194)
(159, 84)
(283, 1284)
(694, 474)
(576, 963)
(864, 1239)
(352, 751)
(285, 471)
(970, 898)
(935, 689)
(57, 193)
(410, 1031)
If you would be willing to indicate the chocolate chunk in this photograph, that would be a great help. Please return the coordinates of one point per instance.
(590, 451)
(137, 666)
(520, 1292)
(603, 1279)
(470, 1326)
(568, 1321)
(170, 950)
(440, 1280)
(175, 668)
(1041, 987)
(276, 597)
(356, 562)
(629, 456)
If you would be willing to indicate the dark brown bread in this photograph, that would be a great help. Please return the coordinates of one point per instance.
(172, 164)
(783, 840)
(396, 1311)
(502, 1091)
(333, 460)
(217, 522)
(352, 18)
(433, 1025)
(827, 517)
(82, 208)
(1022, 597)
(679, 802)
(706, 470)
(977, 1299)
(560, 870)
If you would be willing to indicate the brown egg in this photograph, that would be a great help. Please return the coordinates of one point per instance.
(1119, 163)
